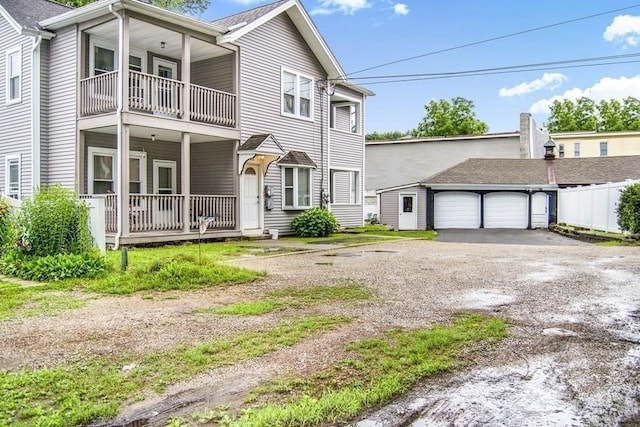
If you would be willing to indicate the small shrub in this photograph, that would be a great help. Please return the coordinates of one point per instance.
(8, 234)
(315, 222)
(629, 209)
(53, 267)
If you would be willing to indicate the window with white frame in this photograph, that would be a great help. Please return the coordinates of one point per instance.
(345, 116)
(576, 149)
(12, 176)
(102, 171)
(103, 58)
(561, 151)
(604, 149)
(345, 187)
(297, 95)
(164, 177)
(296, 187)
(14, 75)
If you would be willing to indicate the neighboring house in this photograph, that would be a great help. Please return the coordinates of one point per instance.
(594, 144)
(497, 193)
(391, 164)
(244, 121)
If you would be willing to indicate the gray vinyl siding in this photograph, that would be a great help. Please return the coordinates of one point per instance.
(16, 135)
(158, 150)
(215, 73)
(263, 52)
(44, 108)
(399, 163)
(390, 206)
(346, 150)
(212, 168)
(60, 146)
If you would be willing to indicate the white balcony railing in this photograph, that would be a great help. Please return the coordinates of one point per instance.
(164, 212)
(157, 95)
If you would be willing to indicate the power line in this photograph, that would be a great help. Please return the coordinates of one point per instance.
(498, 72)
(449, 49)
(509, 67)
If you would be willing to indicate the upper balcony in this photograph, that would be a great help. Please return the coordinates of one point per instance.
(168, 73)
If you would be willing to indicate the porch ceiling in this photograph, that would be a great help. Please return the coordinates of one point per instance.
(146, 36)
(160, 134)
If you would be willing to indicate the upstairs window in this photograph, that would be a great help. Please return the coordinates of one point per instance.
(576, 149)
(14, 75)
(561, 151)
(12, 176)
(345, 117)
(297, 95)
(103, 58)
(604, 149)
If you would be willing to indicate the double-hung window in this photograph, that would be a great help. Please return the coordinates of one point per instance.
(103, 171)
(576, 149)
(345, 187)
(604, 149)
(103, 58)
(12, 176)
(296, 187)
(297, 95)
(14, 75)
(561, 151)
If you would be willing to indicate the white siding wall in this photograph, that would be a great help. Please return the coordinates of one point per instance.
(60, 146)
(263, 52)
(15, 137)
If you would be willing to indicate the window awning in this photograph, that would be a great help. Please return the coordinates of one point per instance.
(297, 158)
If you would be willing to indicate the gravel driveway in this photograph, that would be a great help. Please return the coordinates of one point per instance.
(572, 358)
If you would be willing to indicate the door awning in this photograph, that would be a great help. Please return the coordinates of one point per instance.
(263, 148)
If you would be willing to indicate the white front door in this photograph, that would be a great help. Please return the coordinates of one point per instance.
(165, 91)
(539, 210)
(165, 210)
(250, 198)
(407, 214)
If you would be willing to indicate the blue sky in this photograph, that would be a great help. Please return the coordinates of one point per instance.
(367, 33)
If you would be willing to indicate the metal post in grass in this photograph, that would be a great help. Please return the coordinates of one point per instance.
(124, 258)
(203, 222)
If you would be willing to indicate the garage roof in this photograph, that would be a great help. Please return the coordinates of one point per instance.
(570, 171)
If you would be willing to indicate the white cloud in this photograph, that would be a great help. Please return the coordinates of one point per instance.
(606, 88)
(624, 29)
(347, 7)
(401, 9)
(547, 81)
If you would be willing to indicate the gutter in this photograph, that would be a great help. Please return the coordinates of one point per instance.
(120, 202)
(35, 112)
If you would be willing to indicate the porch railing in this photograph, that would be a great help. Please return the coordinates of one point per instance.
(157, 95)
(164, 212)
(98, 94)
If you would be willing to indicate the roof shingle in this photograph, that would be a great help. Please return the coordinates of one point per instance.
(248, 16)
(29, 12)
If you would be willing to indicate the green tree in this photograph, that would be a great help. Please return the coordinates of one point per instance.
(385, 136)
(631, 113)
(192, 7)
(611, 117)
(562, 117)
(448, 118)
(586, 114)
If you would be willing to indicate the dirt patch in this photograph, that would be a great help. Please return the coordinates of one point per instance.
(586, 377)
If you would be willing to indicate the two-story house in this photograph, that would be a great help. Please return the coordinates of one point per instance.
(245, 121)
(596, 144)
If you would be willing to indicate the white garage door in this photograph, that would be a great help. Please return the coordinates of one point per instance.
(457, 209)
(506, 210)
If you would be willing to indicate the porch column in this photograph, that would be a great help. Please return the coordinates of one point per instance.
(186, 76)
(124, 62)
(123, 178)
(186, 180)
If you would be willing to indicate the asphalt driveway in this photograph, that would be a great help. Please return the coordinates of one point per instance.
(506, 237)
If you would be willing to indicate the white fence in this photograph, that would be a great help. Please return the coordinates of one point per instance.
(593, 207)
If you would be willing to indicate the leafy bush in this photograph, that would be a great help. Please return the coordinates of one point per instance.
(55, 222)
(315, 222)
(53, 267)
(629, 209)
(8, 232)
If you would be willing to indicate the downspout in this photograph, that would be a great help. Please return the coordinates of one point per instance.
(119, 201)
(35, 113)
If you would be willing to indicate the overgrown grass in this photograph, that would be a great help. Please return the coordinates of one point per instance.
(379, 369)
(17, 300)
(81, 394)
(295, 297)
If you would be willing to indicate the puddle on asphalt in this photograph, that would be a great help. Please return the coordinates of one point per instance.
(487, 298)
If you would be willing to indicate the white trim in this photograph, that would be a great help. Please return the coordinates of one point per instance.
(296, 101)
(35, 112)
(111, 152)
(398, 187)
(352, 103)
(295, 205)
(170, 164)
(508, 187)
(258, 168)
(438, 139)
(110, 45)
(8, 76)
(158, 61)
(7, 159)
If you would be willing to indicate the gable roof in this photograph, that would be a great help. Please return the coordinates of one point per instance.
(568, 171)
(25, 14)
(262, 143)
(244, 22)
